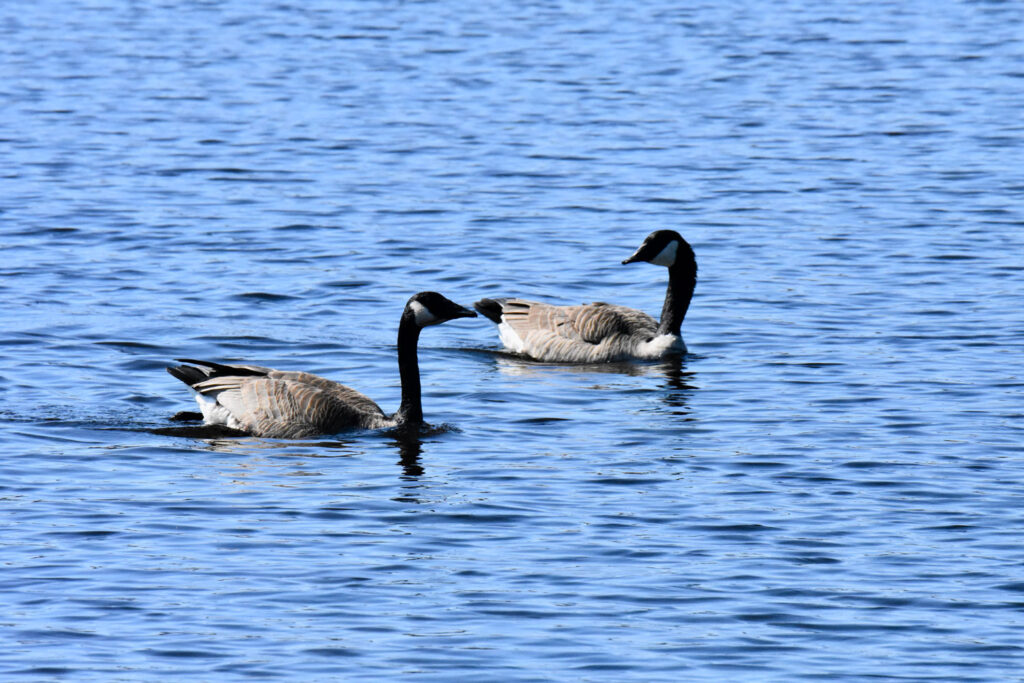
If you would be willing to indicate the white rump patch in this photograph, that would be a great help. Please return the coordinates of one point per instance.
(667, 257)
(512, 341)
(216, 414)
(423, 315)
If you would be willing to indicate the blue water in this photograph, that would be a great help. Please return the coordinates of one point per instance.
(829, 484)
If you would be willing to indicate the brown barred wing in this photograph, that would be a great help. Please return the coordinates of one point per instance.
(286, 408)
(596, 332)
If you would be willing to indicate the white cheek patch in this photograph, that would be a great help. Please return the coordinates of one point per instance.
(667, 256)
(423, 315)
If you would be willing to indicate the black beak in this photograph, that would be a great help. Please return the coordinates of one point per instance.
(636, 256)
(463, 312)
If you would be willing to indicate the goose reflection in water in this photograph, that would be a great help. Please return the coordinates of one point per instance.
(678, 386)
(407, 440)
(410, 448)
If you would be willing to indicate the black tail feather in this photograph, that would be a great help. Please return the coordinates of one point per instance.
(219, 370)
(188, 374)
(193, 375)
(490, 308)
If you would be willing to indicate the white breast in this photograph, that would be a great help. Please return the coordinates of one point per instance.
(660, 346)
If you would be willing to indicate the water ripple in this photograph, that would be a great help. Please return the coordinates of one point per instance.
(825, 486)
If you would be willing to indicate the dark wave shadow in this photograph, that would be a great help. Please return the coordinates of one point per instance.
(200, 432)
(197, 431)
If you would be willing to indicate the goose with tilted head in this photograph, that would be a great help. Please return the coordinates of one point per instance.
(284, 404)
(600, 332)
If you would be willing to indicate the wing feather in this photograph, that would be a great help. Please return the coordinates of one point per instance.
(595, 332)
(291, 404)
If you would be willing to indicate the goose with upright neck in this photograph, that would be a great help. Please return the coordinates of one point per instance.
(288, 405)
(600, 332)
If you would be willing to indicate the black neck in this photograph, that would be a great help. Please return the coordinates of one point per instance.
(411, 409)
(682, 278)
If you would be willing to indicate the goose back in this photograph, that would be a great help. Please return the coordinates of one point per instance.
(589, 333)
(277, 403)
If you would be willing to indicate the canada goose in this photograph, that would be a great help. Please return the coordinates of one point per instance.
(288, 405)
(600, 332)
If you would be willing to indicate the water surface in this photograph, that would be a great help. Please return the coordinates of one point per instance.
(827, 485)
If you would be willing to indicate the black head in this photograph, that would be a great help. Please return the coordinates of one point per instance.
(430, 308)
(662, 248)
